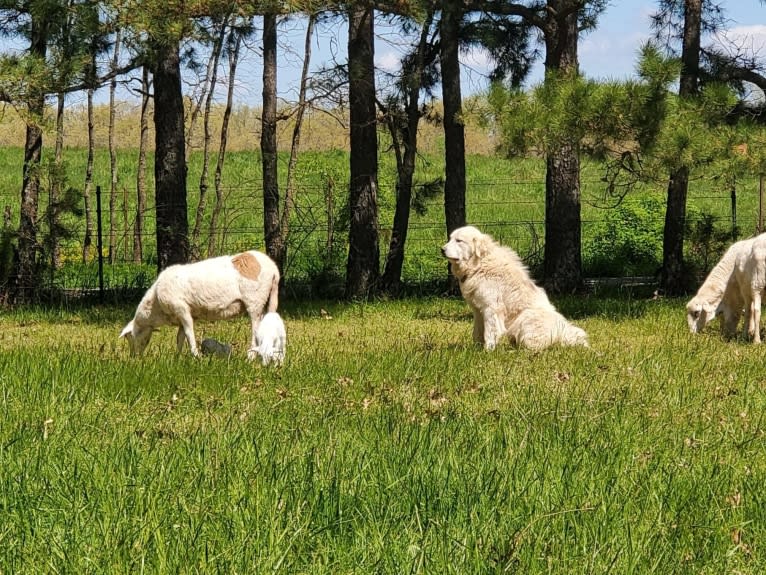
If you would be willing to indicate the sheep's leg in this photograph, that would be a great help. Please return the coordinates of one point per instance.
(729, 323)
(756, 314)
(748, 324)
(180, 339)
(187, 325)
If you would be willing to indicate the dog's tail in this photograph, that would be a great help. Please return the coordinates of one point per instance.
(273, 294)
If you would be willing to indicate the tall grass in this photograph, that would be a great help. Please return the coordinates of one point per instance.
(387, 443)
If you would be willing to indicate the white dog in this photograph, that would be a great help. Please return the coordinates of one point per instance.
(504, 299)
(271, 339)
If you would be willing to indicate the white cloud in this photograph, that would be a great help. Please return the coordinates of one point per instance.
(750, 39)
(475, 58)
(388, 62)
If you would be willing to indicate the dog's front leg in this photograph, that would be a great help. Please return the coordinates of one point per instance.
(492, 329)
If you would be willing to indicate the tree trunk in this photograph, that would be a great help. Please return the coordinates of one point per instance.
(674, 281)
(563, 256)
(169, 163)
(271, 233)
(211, 78)
(454, 129)
(562, 259)
(27, 276)
(233, 60)
(88, 239)
(113, 155)
(673, 277)
(362, 269)
(208, 85)
(55, 187)
(289, 199)
(392, 275)
(143, 144)
(405, 163)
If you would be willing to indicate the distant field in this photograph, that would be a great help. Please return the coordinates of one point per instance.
(504, 197)
(386, 444)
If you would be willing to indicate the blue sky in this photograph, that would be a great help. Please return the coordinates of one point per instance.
(608, 52)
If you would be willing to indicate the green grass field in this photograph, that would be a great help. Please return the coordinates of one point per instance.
(387, 443)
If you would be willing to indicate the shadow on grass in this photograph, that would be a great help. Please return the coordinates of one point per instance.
(118, 308)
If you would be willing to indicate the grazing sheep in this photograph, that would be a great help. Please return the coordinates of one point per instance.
(750, 272)
(271, 339)
(719, 294)
(212, 289)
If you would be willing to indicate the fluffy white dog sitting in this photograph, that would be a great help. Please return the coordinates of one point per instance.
(503, 297)
(271, 339)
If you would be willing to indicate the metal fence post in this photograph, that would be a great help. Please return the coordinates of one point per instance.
(99, 246)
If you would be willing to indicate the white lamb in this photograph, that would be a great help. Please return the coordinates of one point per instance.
(719, 294)
(212, 289)
(750, 271)
(271, 339)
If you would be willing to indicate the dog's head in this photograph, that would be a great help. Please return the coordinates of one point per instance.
(466, 244)
(699, 313)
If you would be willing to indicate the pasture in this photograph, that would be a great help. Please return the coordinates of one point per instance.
(505, 198)
(387, 443)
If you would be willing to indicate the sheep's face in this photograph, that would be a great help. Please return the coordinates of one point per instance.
(137, 336)
(698, 315)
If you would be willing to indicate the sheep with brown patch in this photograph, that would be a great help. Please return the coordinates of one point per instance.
(216, 288)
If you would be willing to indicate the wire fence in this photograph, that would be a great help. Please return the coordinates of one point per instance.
(513, 211)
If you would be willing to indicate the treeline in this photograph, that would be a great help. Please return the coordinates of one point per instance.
(687, 109)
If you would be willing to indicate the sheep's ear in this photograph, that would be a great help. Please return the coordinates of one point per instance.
(710, 309)
(128, 329)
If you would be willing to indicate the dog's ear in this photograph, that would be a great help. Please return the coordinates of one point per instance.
(479, 246)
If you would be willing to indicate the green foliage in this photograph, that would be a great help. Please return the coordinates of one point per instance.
(21, 76)
(637, 126)
(604, 118)
(425, 194)
(59, 218)
(7, 251)
(706, 241)
(628, 241)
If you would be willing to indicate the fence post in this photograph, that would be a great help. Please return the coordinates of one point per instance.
(760, 205)
(734, 210)
(99, 246)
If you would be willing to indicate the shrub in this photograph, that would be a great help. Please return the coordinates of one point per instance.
(628, 241)
(707, 238)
